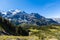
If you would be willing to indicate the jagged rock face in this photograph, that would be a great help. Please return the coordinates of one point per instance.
(20, 17)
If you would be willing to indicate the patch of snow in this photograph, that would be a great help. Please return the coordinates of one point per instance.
(15, 11)
(4, 13)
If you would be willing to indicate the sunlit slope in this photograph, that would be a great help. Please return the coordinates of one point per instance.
(47, 32)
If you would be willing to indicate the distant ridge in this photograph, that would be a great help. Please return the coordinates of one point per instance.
(56, 19)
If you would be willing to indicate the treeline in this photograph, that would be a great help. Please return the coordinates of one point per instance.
(10, 29)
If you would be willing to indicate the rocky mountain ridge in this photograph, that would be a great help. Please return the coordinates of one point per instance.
(20, 17)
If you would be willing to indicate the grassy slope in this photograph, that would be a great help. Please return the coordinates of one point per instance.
(52, 32)
(43, 33)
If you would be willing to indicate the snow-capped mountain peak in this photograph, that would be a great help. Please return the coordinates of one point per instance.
(17, 10)
(14, 11)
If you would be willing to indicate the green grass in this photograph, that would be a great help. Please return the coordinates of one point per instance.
(41, 33)
(18, 37)
(51, 32)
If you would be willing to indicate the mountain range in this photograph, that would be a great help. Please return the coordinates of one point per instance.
(20, 17)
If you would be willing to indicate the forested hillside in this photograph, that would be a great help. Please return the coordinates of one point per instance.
(9, 28)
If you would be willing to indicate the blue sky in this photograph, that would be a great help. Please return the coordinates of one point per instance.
(47, 8)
